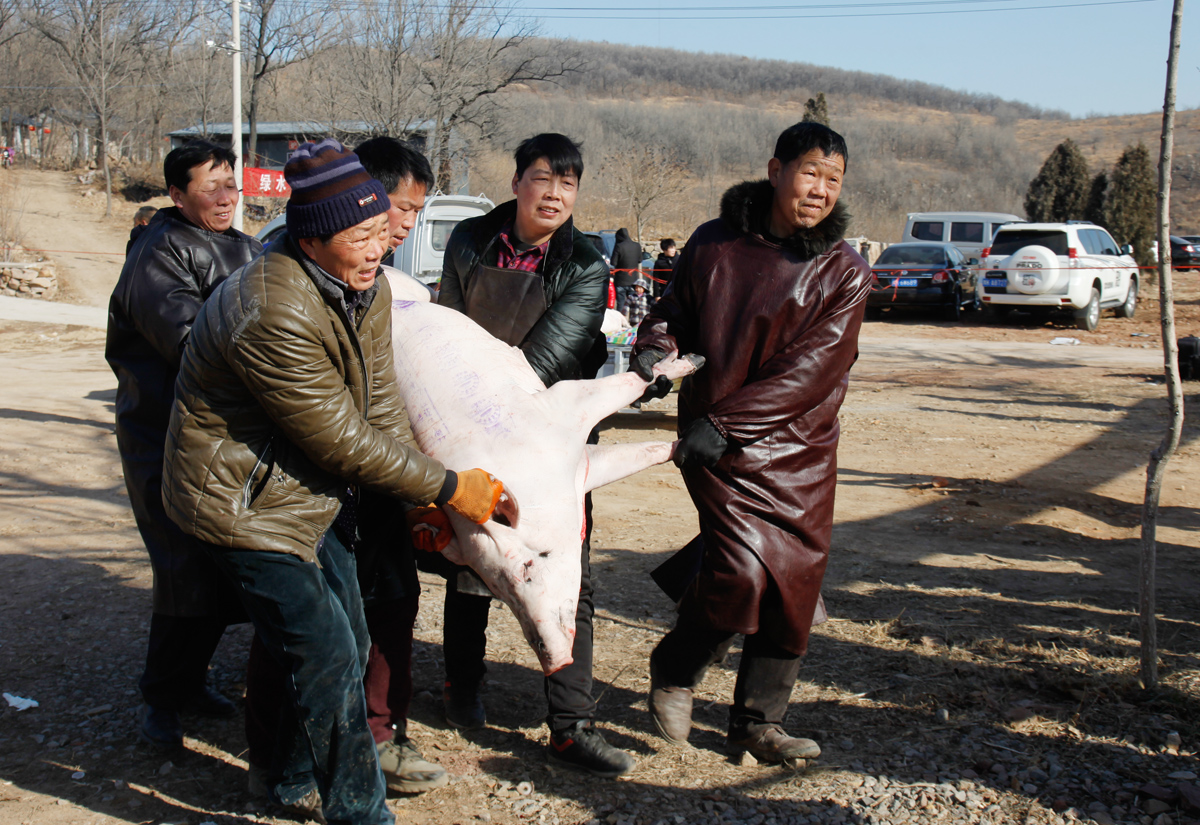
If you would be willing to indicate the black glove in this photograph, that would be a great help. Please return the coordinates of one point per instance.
(701, 446)
(644, 361)
(659, 388)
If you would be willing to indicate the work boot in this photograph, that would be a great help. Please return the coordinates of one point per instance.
(207, 702)
(463, 707)
(406, 770)
(582, 747)
(670, 708)
(304, 809)
(160, 727)
(770, 743)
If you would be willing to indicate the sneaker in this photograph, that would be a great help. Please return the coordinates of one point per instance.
(463, 707)
(207, 702)
(406, 770)
(160, 727)
(582, 747)
(772, 744)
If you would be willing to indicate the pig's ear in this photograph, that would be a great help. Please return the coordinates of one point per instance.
(507, 511)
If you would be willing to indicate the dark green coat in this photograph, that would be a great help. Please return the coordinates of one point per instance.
(566, 343)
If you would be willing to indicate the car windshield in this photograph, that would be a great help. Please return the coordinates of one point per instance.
(912, 256)
(439, 233)
(1009, 241)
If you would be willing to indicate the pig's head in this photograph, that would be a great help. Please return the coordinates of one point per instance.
(539, 583)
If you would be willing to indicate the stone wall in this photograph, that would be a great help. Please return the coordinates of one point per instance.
(32, 280)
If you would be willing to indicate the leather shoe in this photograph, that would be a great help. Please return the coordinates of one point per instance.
(160, 727)
(670, 708)
(207, 702)
(772, 744)
(464, 707)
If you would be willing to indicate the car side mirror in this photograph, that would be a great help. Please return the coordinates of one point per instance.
(973, 261)
(1127, 249)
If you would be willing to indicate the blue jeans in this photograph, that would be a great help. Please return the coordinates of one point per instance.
(310, 619)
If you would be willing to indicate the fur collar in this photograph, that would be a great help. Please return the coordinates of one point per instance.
(746, 206)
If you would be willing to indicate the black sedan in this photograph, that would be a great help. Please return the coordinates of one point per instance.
(923, 275)
(1185, 252)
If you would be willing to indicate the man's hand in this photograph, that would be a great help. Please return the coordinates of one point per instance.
(644, 361)
(430, 528)
(701, 446)
(479, 495)
(659, 388)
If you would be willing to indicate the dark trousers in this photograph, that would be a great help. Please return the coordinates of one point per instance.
(765, 677)
(177, 658)
(309, 620)
(568, 691)
(387, 681)
(623, 293)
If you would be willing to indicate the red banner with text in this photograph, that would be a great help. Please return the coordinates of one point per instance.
(264, 183)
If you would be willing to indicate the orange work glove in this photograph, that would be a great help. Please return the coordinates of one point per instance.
(479, 494)
(430, 528)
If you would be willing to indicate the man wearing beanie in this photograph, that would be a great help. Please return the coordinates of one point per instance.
(285, 407)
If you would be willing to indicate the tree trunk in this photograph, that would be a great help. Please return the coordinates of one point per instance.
(251, 156)
(1163, 452)
(104, 164)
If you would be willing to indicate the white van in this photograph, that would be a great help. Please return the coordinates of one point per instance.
(971, 232)
(422, 251)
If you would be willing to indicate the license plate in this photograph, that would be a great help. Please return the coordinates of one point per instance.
(906, 282)
(995, 282)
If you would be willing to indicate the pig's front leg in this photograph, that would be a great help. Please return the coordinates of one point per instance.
(607, 463)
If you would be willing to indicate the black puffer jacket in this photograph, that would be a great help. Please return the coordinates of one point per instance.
(626, 257)
(172, 267)
(566, 343)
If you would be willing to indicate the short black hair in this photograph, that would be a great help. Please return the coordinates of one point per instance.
(391, 162)
(806, 136)
(178, 165)
(144, 213)
(560, 152)
(666, 243)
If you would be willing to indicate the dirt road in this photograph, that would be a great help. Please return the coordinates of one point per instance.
(980, 664)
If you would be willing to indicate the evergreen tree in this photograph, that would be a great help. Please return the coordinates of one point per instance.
(1059, 191)
(1130, 207)
(816, 111)
(1094, 210)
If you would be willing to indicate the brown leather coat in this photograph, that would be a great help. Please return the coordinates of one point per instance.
(778, 324)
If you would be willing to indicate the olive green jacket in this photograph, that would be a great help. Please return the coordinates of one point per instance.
(282, 401)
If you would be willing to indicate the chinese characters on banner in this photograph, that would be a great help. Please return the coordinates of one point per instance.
(265, 183)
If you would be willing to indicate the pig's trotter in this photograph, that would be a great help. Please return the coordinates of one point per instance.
(696, 360)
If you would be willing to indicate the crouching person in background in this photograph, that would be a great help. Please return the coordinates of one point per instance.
(286, 407)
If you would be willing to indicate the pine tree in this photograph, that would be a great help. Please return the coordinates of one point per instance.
(816, 111)
(1130, 207)
(1059, 191)
(1094, 210)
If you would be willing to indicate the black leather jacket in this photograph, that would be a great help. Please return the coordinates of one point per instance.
(566, 343)
(171, 268)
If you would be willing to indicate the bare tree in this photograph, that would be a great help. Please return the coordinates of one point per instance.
(8, 20)
(279, 34)
(1157, 467)
(647, 177)
(383, 86)
(99, 43)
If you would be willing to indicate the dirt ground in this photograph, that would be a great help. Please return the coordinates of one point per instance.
(980, 663)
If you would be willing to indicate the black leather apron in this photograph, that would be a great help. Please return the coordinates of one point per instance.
(505, 302)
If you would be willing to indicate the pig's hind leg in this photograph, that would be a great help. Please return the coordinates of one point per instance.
(612, 462)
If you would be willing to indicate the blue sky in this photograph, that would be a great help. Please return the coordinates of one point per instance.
(1093, 57)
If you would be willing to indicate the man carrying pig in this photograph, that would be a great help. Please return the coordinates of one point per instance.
(527, 276)
(773, 298)
(286, 407)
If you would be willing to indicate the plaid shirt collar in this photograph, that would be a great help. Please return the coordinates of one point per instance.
(527, 260)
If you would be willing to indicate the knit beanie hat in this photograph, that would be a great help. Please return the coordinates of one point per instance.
(330, 190)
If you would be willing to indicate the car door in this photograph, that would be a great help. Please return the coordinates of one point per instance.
(1116, 270)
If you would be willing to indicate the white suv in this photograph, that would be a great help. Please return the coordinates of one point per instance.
(1073, 266)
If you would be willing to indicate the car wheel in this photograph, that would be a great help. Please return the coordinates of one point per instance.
(874, 314)
(976, 302)
(954, 311)
(1089, 316)
(1127, 309)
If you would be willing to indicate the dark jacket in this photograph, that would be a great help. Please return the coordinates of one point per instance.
(284, 398)
(626, 258)
(566, 343)
(171, 268)
(778, 324)
(664, 271)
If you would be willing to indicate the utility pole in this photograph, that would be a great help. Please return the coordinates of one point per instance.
(236, 124)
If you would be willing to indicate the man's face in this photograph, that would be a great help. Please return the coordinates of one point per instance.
(670, 251)
(352, 255)
(544, 201)
(211, 195)
(806, 190)
(407, 200)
